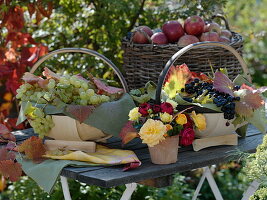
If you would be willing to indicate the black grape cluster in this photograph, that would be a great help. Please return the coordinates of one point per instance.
(197, 88)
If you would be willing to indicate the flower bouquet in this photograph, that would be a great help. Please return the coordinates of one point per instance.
(161, 127)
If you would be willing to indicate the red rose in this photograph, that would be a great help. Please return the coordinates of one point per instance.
(166, 107)
(156, 108)
(143, 109)
(189, 123)
(187, 136)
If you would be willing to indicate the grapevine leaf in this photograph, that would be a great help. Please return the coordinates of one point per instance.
(258, 120)
(19, 39)
(11, 169)
(238, 120)
(105, 88)
(80, 112)
(29, 55)
(50, 74)
(222, 83)
(201, 76)
(5, 134)
(31, 8)
(242, 130)
(32, 79)
(140, 96)
(239, 80)
(45, 12)
(11, 146)
(244, 86)
(7, 155)
(176, 79)
(128, 132)
(14, 19)
(33, 148)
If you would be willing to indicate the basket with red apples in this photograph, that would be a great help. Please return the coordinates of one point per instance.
(146, 50)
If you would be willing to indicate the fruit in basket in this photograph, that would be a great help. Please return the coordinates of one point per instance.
(224, 39)
(173, 30)
(187, 39)
(146, 29)
(142, 35)
(209, 36)
(159, 38)
(194, 25)
(213, 27)
(226, 33)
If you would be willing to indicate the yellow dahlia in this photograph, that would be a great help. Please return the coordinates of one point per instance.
(181, 119)
(152, 132)
(199, 120)
(165, 117)
(134, 114)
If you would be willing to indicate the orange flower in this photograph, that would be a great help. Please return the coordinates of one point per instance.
(181, 119)
(199, 120)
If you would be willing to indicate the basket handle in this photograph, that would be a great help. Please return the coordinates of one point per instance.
(85, 51)
(224, 19)
(178, 54)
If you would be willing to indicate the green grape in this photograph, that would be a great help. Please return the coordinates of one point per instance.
(104, 98)
(62, 86)
(38, 113)
(28, 86)
(48, 96)
(90, 92)
(84, 85)
(51, 84)
(83, 102)
(77, 83)
(94, 99)
(29, 93)
(84, 96)
(72, 80)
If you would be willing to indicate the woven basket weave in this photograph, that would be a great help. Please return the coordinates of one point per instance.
(144, 62)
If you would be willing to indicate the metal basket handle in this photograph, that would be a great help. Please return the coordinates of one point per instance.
(85, 51)
(178, 54)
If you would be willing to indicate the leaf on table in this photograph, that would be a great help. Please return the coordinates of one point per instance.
(128, 132)
(241, 131)
(5, 134)
(33, 148)
(32, 79)
(81, 113)
(11, 170)
(7, 155)
(176, 79)
(50, 74)
(131, 165)
(102, 87)
(238, 120)
(222, 83)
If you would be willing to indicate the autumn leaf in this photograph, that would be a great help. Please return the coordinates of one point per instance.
(14, 19)
(5, 134)
(249, 101)
(7, 155)
(32, 79)
(50, 74)
(132, 165)
(29, 55)
(13, 83)
(81, 113)
(128, 132)
(33, 148)
(31, 8)
(19, 39)
(10, 169)
(201, 76)
(222, 83)
(2, 184)
(176, 79)
(45, 12)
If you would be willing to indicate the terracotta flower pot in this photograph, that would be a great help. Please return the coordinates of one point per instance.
(165, 152)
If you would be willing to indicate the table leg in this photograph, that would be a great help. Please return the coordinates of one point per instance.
(207, 174)
(251, 190)
(130, 188)
(65, 187)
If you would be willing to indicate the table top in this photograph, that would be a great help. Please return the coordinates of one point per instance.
(105, 176)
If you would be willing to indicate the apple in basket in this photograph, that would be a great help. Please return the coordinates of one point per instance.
(187, 39)
(194, 25)
(213, 27)
(159, 38)
(173, 30)
(226, 33)
(142, 35)
(209, 36)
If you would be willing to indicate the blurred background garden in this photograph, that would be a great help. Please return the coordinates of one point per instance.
(31, 28)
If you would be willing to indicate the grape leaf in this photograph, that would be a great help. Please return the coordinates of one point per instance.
(13, 83)
(11, 169)
(250, 100)
(32, 79)
(14, 19)
(33, 148)
(222, 83)
(244, 86)
(19, 39)
(45, 12)
(201, 76)
(105, 88)
(50, 74)
(31, 8)
(80, 112)
(7, 155)
(29, 55)
(128, 132)
(176, 79)
(5, 134)
(131, 165)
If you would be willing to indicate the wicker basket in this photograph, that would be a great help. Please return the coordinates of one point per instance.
(144, 62)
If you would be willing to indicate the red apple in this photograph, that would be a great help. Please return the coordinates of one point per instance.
(224, 39)
(209, 36)
(146, 29)
(194, 25)
(226, 33)
(159, 38)
(205, 29)
(214, 27)
(173, 30)
(187, 39)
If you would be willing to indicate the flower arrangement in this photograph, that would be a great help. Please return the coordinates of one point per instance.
(156, 122)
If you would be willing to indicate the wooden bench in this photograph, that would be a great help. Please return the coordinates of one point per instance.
(151, 174)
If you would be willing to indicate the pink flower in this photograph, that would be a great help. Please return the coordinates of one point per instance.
(156, 108)
(143, 109)
(187, 136)
(166, 107)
